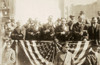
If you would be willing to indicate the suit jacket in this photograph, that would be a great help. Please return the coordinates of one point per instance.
(98, 32)
(70, 24)
(98, 18)
(59, 29)
(17, 34)
(77, 29)
(29, 36)
(94, 32)
(47, 32)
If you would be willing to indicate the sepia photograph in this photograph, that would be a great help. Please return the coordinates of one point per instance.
(49, 32)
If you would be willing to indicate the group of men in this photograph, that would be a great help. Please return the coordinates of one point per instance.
(60, 31)
(63, 30)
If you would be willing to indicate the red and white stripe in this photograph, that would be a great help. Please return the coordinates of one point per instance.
(80, 52)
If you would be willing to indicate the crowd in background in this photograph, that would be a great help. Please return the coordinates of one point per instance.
(62, 29)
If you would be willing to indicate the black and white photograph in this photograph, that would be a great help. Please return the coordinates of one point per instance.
(49, 32)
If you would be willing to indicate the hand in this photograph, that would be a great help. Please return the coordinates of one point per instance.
(56, 40)
(81, 33)
(20, 35)
(38, 32)
(47, 31)
(84, 40)
(51, 34)
(62, 32)
(84, 30)
(31, 33)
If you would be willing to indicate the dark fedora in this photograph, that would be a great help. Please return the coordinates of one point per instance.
(71, 16)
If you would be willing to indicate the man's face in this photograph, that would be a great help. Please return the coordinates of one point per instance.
(30, 20)
(95, 49)
(81, 13)
(72, 18)
(50, 18)
(94, 21)
(59, 22)
(63, 21)
(18, 24)
(80, 19)
(65, 48)
(8, 45)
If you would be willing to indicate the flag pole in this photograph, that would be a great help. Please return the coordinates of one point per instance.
(53, 55)
(16, 52)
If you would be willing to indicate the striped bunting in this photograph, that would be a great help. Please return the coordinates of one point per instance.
(43, 52)
(39, 53)
(80, 52)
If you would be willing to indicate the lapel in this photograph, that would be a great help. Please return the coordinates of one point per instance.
(77, 26)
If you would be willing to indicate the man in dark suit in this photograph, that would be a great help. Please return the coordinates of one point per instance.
(70, 24)
(47, 31)
(79, 31)
(29, 33)
(17, 33)
(98, 27)
(94, 30)
(62, 31)
(98, 18)
(36, 30)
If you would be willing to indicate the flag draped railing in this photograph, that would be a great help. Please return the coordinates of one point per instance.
(44, 52)
(37, 52)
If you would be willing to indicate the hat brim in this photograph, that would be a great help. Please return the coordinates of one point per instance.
(72, 16)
